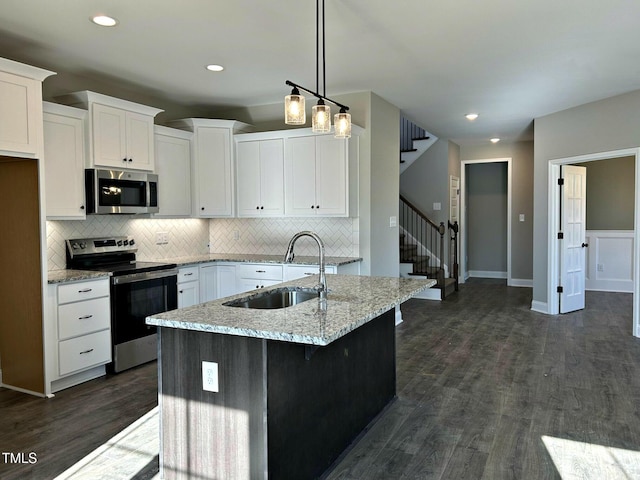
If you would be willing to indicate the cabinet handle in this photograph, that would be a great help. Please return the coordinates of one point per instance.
(257, 207)
(257, 286)
(130, 160)
(124, 160)
(188, 274)
(201, 208)
(86, 290)
(317, 206)
(262, 208)
(261, 271)
(181, 291)
(312, 206)
(81, 207)
(309, 273)
(86, 317)
(86, 351)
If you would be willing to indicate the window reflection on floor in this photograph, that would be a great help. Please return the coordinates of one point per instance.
(588, 461)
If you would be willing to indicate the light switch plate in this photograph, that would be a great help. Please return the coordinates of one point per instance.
(393, 221)
(437, 206)
(522, 217)
(210, 377)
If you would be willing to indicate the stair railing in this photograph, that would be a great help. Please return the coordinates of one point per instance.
(427, 236)
(409, 132)
(453, 252)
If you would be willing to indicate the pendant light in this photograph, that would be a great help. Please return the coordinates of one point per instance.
(294, 109)
(321, 112)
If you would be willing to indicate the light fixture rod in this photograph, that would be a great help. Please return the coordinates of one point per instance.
(316, 94)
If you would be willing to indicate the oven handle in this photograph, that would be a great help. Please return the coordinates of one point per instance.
(141, 277)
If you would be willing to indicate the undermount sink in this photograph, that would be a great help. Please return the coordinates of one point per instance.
(279, 298)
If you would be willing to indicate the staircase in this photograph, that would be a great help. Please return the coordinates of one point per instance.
(422, 251)
(414, 141)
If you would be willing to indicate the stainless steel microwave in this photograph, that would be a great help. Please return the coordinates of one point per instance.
(119, 191)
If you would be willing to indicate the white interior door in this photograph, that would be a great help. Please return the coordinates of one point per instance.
(454, 199)
(572, 246)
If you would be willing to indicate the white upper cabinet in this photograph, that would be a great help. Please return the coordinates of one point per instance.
(260, 167)
(173, 166)
(21, 109)
(121, 133)
(316, 176)
(64, 159)
(212, 165)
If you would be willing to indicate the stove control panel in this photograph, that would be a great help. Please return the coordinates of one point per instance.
(90, 246)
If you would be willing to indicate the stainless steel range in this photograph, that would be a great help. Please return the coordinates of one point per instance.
(138, 289)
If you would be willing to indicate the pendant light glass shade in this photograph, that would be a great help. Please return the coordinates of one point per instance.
(321, 118)
(342, 122)
(294, 108)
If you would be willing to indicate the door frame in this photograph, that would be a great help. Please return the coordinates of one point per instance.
(463, 215)
(553, 257)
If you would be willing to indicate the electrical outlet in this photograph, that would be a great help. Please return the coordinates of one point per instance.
(210, 377)
(162, 238)
(600, 267)
(236, 235)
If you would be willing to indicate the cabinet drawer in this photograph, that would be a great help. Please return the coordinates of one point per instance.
(188, 274)
(80, 318)
(259, 271)
(301, 271)
(84, 352)
(73, 292)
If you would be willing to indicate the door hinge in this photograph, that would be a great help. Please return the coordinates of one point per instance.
(561, 181)
(560, 236)
(559, 289)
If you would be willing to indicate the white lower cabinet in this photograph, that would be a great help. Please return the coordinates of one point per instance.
(188, 287)
(79, 333)
(250, 276)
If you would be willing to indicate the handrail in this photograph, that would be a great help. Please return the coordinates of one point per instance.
(440, 227)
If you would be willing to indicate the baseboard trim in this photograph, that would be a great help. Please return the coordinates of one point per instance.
(487, 274)
(398, 316)
(521, 282)
(23, 390)
(429, 294)
(540, 307)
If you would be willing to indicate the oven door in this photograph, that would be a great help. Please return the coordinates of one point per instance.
(137, 296)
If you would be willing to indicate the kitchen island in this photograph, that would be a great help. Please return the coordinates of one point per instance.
(287, 389)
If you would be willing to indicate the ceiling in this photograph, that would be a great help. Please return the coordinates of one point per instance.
(510, 61)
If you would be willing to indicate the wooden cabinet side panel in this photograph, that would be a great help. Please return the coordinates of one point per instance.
(212, 434)
(21, 331)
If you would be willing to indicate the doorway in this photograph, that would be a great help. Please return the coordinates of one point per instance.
(465, 270)
(553, 265)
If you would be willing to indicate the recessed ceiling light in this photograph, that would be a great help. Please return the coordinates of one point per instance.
(495, 140)
(104, 21)
(215, 68)
(471, 116)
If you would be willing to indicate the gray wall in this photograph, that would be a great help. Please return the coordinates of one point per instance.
(486, 198)
(610, 193)
(521, 154)
(606, 125)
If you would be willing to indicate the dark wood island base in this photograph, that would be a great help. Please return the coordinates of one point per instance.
(283, 410)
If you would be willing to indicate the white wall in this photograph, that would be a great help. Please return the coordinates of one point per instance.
(606, 125)
(609, 260)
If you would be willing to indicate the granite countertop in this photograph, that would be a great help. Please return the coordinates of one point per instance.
(256, 258)
(61, 276)
(352, 301)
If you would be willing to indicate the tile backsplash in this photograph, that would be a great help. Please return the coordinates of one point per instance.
(193, 236)
(270, 236)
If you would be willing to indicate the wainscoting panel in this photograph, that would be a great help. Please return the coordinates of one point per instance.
(609, 260)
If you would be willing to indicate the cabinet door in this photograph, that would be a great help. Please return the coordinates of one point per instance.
(226, 280)
(19, 117)
(173, 166)
(140, 151)
(247, 284)
(109, 137)
(272, 177)
(248, 168)
(300, 176)
(188, 294)
(213, 175)
(64, 167)
(331, 176)
(207, 283)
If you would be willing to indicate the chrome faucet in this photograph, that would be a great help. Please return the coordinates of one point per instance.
(288, 258)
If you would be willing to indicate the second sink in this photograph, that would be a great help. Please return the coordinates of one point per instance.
(278, 298)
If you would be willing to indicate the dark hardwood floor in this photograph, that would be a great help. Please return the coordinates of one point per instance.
(480, 379)
(62, 430)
